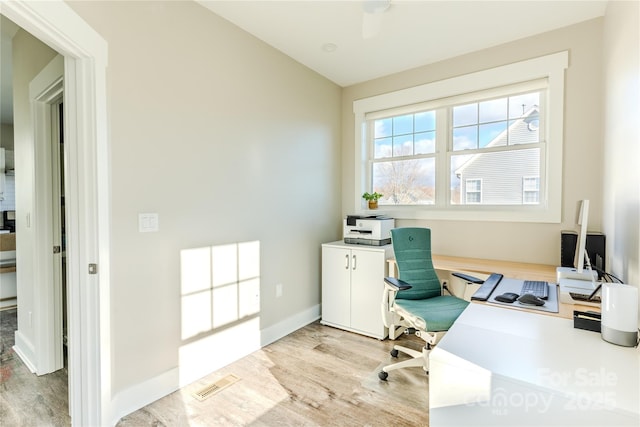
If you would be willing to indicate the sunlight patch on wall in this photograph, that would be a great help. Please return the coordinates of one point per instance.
(220, 287)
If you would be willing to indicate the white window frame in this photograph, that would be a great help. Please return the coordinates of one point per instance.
(551, 67)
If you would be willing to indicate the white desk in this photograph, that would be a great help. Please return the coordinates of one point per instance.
(498, 366)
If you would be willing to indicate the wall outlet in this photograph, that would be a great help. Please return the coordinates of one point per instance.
(278, 290)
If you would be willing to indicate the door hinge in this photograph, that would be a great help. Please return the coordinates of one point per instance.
(93, 268)
(56, 249)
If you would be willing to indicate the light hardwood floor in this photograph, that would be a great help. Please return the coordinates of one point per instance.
(316, 376)
(27, 399)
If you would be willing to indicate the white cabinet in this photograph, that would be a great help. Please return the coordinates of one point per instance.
(352, 285)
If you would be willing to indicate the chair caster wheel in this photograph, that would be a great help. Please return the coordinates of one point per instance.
(394, 353)
(383, 375)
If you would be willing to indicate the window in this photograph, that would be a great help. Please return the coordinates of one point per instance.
(473, 191)
(531, 190)
(489, 141)
(403, 166)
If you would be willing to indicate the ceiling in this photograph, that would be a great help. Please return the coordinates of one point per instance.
(368, 44)
(350, 42)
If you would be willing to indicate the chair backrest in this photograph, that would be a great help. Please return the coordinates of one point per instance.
(412, 249)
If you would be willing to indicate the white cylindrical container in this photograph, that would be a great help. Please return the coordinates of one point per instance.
(619, 314)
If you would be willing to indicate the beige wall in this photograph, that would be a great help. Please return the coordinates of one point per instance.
(621, 205)
(539, 243)
(30, 56)
(229, 141)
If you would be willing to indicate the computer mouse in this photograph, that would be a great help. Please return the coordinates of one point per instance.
(529, 299)
(507, 297)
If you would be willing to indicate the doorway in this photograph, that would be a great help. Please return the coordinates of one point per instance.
(87, 203)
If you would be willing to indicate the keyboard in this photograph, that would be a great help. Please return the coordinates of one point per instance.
(484, 291)
(535, 287)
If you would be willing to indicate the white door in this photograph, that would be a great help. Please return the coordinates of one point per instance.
(46, 92)
(366, 291)
(336, 286)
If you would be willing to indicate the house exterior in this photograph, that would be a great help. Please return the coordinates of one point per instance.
(504, 177)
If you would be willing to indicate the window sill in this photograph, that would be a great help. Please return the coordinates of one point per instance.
(473, 213)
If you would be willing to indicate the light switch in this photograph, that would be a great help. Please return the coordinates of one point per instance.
(148, 222)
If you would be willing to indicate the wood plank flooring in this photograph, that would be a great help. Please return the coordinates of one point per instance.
(27, 399)
(316, 376)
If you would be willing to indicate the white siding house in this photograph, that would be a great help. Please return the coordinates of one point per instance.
(508, 177)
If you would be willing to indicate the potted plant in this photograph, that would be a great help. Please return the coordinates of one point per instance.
(372, 198)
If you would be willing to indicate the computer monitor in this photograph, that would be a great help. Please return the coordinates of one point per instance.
(581, 257)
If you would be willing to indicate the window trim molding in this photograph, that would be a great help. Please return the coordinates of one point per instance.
(552, 67)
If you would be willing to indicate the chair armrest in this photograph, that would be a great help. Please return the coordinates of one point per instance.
(467, 278)
(399, 285)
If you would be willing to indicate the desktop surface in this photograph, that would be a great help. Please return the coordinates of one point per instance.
(511, 270)
(497, 366)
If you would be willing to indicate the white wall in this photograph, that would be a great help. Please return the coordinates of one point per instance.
(582, 174)
(621, 207)
(229, 141)
(30, 56)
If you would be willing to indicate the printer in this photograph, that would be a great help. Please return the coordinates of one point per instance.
(373, 230)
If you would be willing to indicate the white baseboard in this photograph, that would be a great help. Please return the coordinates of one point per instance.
(25, 351)
(142, 394)
(291, 324)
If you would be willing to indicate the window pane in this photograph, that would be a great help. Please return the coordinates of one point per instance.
(457, 162)
(465, 115)
(425, 121)
(382, 148)
(403, 145)
(465, 138)
(425, 143)
(531, 184)
(405, 182)
(493, 111)
(502, 174)
(383, 128)
(473, 185)
(493, 133)
(403, 124)
(531, 197)
(525, 130)
(520, 104)
(531, 190)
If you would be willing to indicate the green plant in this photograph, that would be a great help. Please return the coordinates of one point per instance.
(372, 196)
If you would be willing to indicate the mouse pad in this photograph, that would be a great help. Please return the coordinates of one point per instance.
(515, 286)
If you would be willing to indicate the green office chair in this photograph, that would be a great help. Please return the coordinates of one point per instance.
(415, 300)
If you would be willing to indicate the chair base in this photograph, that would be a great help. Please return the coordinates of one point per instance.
(418, 358)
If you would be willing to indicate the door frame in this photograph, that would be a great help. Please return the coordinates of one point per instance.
(88, 204)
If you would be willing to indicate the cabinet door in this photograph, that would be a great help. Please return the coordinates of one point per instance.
(336, 291)
(367, 275)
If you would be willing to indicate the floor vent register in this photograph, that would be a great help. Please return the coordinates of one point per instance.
(208, 391)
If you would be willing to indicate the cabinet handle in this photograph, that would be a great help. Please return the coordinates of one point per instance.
(354, 262)
(346, 262)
